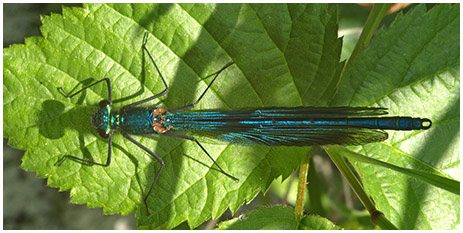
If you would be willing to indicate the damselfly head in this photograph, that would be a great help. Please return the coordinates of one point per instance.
(103, 134)
(100, 119)
(104, 104)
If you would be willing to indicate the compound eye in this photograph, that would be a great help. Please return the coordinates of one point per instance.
(104, 104)
(103, 134)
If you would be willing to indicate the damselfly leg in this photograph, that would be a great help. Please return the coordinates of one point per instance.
(108, 83)
(202, 148)
(162, 93)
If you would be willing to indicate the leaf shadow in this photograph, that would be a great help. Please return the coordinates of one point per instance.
(52, 110)
(53, 122)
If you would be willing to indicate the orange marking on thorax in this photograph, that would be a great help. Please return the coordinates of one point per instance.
(159, 126)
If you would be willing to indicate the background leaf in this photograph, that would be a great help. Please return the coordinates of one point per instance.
(189, 42)
(313, 222)
(276, 218)
(413, 69)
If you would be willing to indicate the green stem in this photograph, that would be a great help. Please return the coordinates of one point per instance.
(303, 170)
(427, 177)
(376, 15)
(377, 217)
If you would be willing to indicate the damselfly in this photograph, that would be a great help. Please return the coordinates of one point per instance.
(278, 126)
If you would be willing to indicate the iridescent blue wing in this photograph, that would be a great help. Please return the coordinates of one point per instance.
(308, 137)
(280, 126)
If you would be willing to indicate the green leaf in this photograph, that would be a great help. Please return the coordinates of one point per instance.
(413, 69)
(313, 222)
(276, 218)
(284, 54)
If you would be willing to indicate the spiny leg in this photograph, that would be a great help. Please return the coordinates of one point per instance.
(207, 88)
(159, 159)
(164, 92)
(108, 160)
(199, 144)
(108, 83)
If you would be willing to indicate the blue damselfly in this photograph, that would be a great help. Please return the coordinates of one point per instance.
(277, 126)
